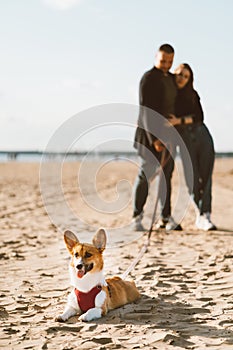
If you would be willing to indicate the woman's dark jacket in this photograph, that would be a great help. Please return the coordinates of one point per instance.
(188, 103)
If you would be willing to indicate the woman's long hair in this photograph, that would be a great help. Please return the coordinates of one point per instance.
(188, 90)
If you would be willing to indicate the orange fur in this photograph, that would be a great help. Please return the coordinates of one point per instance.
(120, 292)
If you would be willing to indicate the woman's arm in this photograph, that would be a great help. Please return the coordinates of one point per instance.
(186, 119)
(197, 109)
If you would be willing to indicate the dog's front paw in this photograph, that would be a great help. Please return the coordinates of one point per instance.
(84, 318)
(91, 314)
(59, 319)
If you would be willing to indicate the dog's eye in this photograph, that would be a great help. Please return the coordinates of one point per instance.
(76, 255)
(88, 255)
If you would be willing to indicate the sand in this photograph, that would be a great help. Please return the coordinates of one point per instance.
(185, 278)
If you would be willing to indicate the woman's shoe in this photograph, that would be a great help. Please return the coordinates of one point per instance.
(203, 222)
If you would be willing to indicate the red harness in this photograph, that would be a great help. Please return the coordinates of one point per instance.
(86, 301)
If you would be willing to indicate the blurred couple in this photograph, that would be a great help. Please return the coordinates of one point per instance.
(172, 96)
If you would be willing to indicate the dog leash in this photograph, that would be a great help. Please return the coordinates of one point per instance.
(145, 246)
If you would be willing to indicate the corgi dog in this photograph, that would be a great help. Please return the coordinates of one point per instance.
(93, 295)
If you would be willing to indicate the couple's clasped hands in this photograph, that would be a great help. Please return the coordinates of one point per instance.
(173, 120)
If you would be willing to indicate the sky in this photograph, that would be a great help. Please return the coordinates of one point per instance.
(61, 57)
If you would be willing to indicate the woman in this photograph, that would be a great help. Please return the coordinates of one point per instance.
(199, 143)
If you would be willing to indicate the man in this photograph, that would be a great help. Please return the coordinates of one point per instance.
(157, 95)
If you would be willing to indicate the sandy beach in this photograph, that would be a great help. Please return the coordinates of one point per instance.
(185, 278)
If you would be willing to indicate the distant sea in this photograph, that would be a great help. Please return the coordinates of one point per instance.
(36, 156)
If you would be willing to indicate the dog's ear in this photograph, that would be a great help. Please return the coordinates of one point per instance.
(70, 239)
(99, 240)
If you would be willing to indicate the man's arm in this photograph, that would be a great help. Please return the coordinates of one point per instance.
(150, 102)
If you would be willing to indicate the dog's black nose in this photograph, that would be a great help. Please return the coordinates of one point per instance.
(79, 266)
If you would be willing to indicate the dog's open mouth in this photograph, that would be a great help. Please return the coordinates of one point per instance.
(84, 270)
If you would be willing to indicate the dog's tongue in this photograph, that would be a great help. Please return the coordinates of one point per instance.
(80, 274)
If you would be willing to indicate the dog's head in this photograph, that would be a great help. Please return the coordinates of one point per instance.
(86, 258)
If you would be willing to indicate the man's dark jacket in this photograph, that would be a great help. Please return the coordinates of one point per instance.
(152, 107)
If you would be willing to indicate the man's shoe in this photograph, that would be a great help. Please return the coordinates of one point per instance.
(136, 224)
(172, 225)
(203, 222)
(161, 223)
(169, 224)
